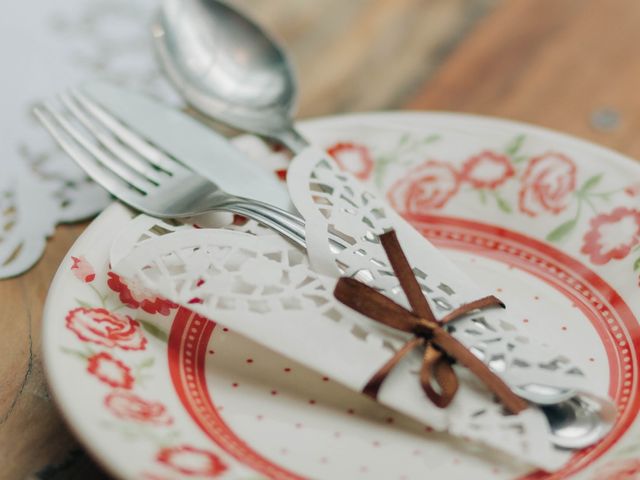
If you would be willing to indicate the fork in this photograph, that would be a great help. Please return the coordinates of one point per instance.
(144, 176)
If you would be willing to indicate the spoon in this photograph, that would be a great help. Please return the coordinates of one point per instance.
(580, 421)
(228, 68)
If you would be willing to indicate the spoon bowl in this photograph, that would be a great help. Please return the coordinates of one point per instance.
(228, 68)
(579, 422)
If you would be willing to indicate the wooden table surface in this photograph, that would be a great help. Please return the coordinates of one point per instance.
(571, 65)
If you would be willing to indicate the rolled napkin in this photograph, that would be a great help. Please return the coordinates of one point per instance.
(259, 285)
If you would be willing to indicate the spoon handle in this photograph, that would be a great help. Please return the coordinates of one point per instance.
(292, 139)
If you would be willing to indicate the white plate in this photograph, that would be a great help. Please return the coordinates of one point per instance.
(549, 221)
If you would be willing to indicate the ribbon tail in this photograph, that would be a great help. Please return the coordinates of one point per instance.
(436, 366)
(481, 303)
(373, 385)
(403, 271)
(373, 304)
(456, 350)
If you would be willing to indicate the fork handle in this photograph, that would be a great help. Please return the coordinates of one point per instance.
(286, 224)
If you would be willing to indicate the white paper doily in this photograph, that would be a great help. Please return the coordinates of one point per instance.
(52, 46)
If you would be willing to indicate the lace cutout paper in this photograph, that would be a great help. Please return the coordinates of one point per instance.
(32, 203)
(40, 186)
(267, 290)
(336, 206)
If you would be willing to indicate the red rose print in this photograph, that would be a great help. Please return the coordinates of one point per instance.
(188, 460)
(487, 170)
(633, 190)
(353, 158)
(134, 296)
(128, 406)
(83, 269)
(239, 220)
(428, 186)
(621, 470)
(282, 174)
(546, 184)
(110, 371)
(612, 235)
(98, 325)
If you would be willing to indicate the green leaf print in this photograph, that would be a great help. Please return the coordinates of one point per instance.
(146, 363)
(514, 147)
(153, 330)
(76, 353)
(405, 145)
(562, 230)
(504, 205)
(83, 304)
(591, 183)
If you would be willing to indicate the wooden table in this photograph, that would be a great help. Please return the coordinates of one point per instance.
(572, 65)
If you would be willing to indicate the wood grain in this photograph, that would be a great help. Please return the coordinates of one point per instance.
(364, 54)
(33, 437)
(556, 63)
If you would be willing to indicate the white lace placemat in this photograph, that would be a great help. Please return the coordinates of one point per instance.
(50, 46)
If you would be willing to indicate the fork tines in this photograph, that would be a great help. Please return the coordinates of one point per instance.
(107, 150)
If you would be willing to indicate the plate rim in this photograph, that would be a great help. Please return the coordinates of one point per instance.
(72, 422)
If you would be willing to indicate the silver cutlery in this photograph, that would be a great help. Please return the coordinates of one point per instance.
(144, 176)
(180, 136)
(228, 68)
(151, 180)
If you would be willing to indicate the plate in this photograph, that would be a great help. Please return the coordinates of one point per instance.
(549, 221)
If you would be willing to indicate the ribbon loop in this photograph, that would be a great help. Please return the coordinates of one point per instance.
(435, 366)
(441, 349)
(373, 386)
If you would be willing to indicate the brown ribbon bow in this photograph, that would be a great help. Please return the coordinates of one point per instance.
(441, 349)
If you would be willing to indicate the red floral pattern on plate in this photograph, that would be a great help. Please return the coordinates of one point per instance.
(353, 158)
(102, 327)
(621, 470)
(82, 269)
(633, 190)
(189, 460)
(136, 296)
(426, 187)
(612, 235)
(129, 406)
(487, 170)
(110, 370)
(547, 184)
(282, 174)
